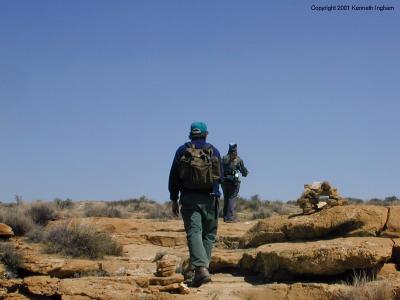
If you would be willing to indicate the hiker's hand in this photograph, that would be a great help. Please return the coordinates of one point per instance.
(175, 208)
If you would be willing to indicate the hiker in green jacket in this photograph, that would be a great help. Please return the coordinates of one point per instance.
(194, 179)
(232, 165)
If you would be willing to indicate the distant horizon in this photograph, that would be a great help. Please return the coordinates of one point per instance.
(163, 201)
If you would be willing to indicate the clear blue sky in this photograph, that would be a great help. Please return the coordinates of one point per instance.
(95, 96)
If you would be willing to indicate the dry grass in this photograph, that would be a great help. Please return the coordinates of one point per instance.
(102, 210)
(15, 217)
(10, 257)
(365, 288)
(41, 212)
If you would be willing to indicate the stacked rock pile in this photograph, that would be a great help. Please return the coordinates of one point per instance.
(166, 279)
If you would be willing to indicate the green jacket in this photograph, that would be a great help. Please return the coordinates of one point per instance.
(232, 167)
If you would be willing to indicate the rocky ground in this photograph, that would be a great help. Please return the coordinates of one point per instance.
(282, 257)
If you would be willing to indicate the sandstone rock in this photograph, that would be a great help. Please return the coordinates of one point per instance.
(167, 288)
(42, 285)
(102, 288)
(58, 267)
(388, 271)
(10, 283)
(282, 261)
(15, 296)
(393, 222)
(5, 231)
(176, 278)
(228, 259)
(170, 239)
(350, 220)
(165, 273)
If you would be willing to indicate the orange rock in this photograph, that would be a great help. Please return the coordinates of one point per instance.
(6, 231)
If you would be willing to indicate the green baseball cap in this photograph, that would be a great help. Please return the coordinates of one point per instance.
(198, 128)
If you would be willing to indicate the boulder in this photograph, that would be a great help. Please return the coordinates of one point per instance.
(5, 231)
(283, 261)
(42, 285)
(392, 228)
(350, 220)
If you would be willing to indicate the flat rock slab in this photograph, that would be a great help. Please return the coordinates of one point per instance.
(349, 220)
(283, 261)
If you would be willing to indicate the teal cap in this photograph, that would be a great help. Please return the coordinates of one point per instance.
(198, 128)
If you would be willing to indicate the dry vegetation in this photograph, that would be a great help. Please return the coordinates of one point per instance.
(365, 288)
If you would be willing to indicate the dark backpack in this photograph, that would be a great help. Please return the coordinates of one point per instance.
(198, 168)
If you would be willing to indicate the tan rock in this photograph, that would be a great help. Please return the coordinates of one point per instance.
(10, 284)
(102, 288)
(166, 239)
(331, 257)
(350, 220)
(166, 269)
(176, 278)
(42, 285)
(165, 264)
(5, 231)
(58, 267)
(166, 288)
(15, 296)
(393, 222)
(165, 273)
(228, 259)
(388, 271)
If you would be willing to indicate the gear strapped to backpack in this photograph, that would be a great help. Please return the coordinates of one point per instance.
(198, 168)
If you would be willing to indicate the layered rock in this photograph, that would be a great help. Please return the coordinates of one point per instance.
(338, 221)
(321, 258)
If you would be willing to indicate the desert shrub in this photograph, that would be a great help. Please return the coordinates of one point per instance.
(41, 212)
(63, 204)
(79, 240)
(134, 203)
(15, 217)
(36, 234)
(10, 257)
(262, 213)
(364, 287)
(160, 211)
(355, 201)
(102, 210)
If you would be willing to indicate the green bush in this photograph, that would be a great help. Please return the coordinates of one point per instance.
(79, 240)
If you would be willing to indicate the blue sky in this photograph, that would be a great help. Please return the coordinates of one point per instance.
(95, 96)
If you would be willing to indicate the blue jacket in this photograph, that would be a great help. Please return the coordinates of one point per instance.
(175, 184)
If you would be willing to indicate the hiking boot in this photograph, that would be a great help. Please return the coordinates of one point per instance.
(201, 276)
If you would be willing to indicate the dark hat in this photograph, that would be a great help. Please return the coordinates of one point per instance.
(232, 148)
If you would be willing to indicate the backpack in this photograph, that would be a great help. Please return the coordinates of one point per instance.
(198, 168)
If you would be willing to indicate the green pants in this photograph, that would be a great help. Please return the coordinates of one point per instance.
(200, 217)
